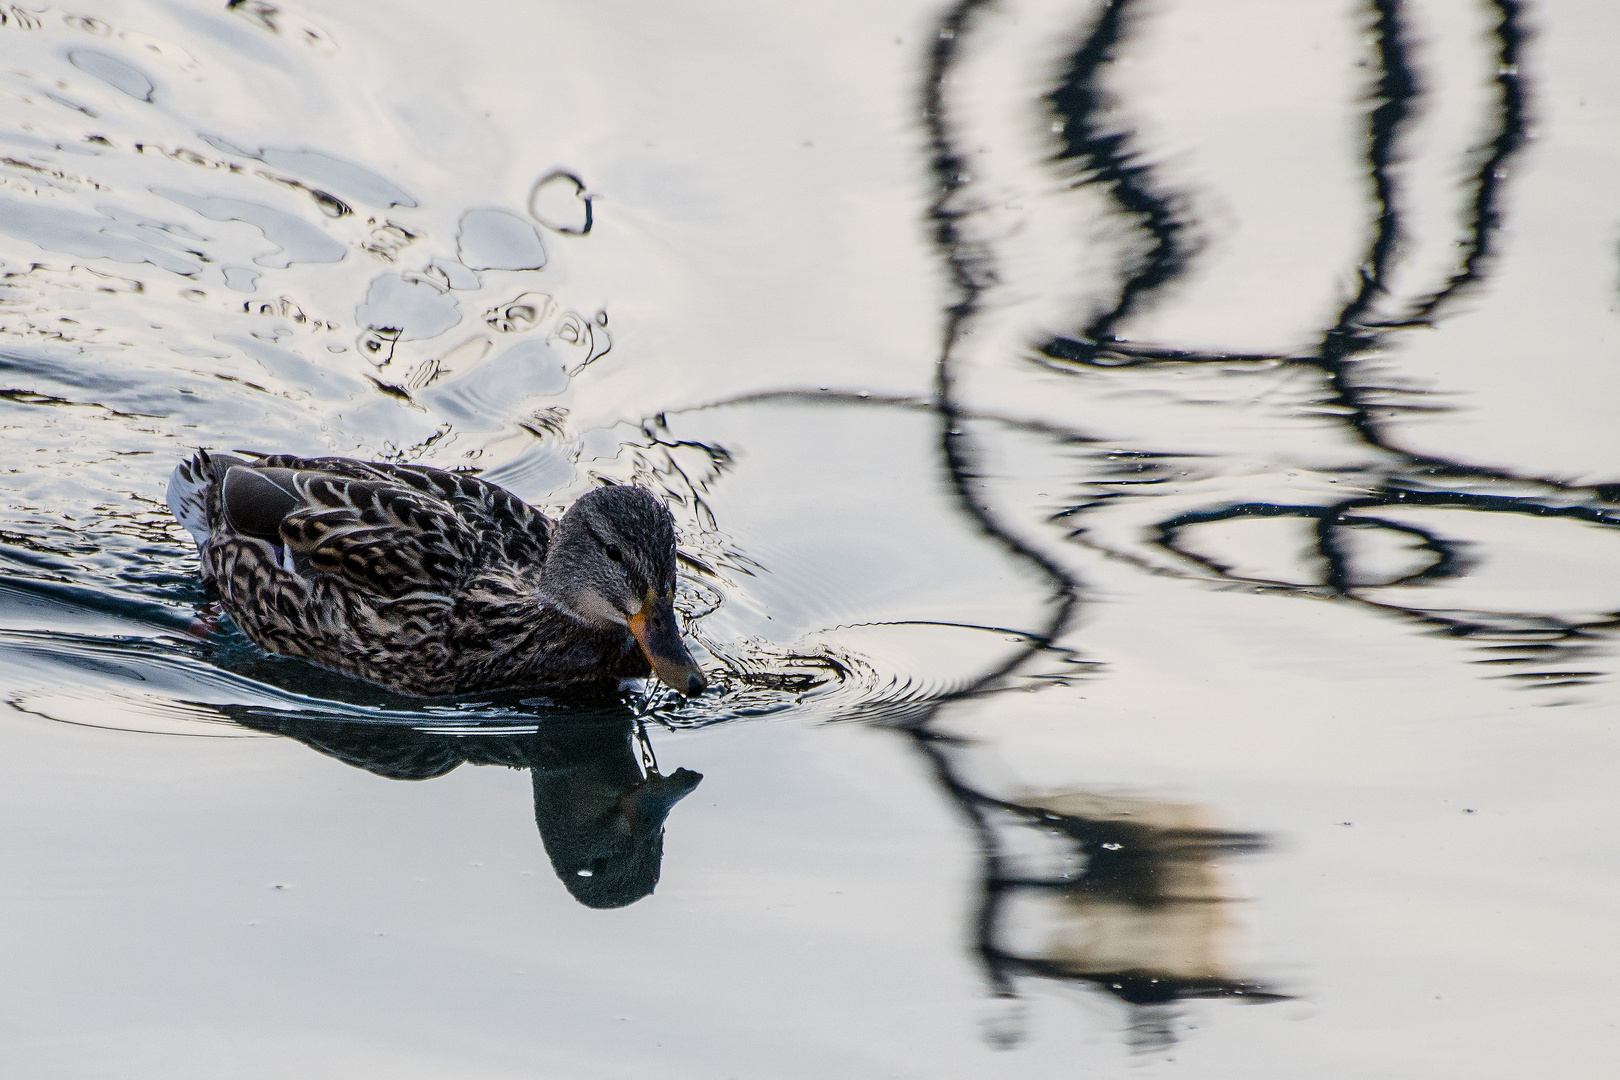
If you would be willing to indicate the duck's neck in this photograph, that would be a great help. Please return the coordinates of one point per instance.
(562, 648)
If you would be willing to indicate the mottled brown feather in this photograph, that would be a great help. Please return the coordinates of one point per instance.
(421, 580)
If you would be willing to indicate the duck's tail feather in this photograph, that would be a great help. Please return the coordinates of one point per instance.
(188, 495)
(188, 490)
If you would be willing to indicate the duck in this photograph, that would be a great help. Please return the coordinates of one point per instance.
(434, 583)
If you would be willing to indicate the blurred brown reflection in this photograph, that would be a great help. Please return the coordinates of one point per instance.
(1126, 893)
(1150, 919)
(1153, 907)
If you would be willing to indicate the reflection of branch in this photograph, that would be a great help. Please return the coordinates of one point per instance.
(1110, 162)
(970, 271)
(1529, 632)
(1105, 158)
(1395, 97)
(1485, 218)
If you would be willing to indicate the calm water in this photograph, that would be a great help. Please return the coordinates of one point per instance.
(1149, 473)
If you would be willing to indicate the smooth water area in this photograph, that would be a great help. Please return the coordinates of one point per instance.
(1147, 477)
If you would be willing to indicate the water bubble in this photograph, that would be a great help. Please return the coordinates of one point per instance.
(559, 201)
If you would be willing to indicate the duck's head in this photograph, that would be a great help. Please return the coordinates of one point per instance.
(611, 562)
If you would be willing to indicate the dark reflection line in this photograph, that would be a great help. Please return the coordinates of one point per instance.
(19, 396)
(1330, 519)
(1485, 215)
(1396, 92)
(1447, 560)
(1035, 639)
(1533, 639)
(17, 705)
(970, 803)
(903, 401)
(1106, 158)
(1421, 467)
(971, 272)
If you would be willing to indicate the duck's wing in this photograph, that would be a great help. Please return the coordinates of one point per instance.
(381, 536)
(506, 528)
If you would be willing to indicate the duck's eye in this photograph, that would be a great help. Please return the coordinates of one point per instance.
(614, 553)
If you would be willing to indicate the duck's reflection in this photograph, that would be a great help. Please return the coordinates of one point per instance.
(601, 805)
(599, 799)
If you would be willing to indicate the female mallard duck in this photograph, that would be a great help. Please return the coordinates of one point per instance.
(434, 582)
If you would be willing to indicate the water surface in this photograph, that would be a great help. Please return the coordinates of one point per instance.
(1147, 478)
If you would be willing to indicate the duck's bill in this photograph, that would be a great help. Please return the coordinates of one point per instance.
(647, 804)
(659, 636)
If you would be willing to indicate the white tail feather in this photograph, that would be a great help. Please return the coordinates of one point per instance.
(188, 496)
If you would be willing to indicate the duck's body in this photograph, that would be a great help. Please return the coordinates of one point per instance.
(433, 582)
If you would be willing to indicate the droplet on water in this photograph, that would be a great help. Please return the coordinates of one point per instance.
(559, 201)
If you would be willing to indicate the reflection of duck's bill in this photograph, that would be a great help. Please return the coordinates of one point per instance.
(649, 802)
(660, 638)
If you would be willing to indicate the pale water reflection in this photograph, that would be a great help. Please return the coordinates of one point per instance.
(1148, 513)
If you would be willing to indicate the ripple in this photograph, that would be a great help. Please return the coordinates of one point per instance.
(350, 181)
(295, 240)
(114, 72)
(559, 201)
(406, 309)
(91, 236)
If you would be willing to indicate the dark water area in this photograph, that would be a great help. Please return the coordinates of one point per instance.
(1146, 483)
